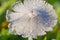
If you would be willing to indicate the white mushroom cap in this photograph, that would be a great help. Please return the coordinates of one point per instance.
(32, 18)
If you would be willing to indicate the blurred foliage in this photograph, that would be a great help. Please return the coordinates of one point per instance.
(4, 33)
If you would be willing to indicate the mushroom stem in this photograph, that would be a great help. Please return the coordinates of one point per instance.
(30, 38)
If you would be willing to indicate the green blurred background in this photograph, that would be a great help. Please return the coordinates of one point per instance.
(5, 35)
